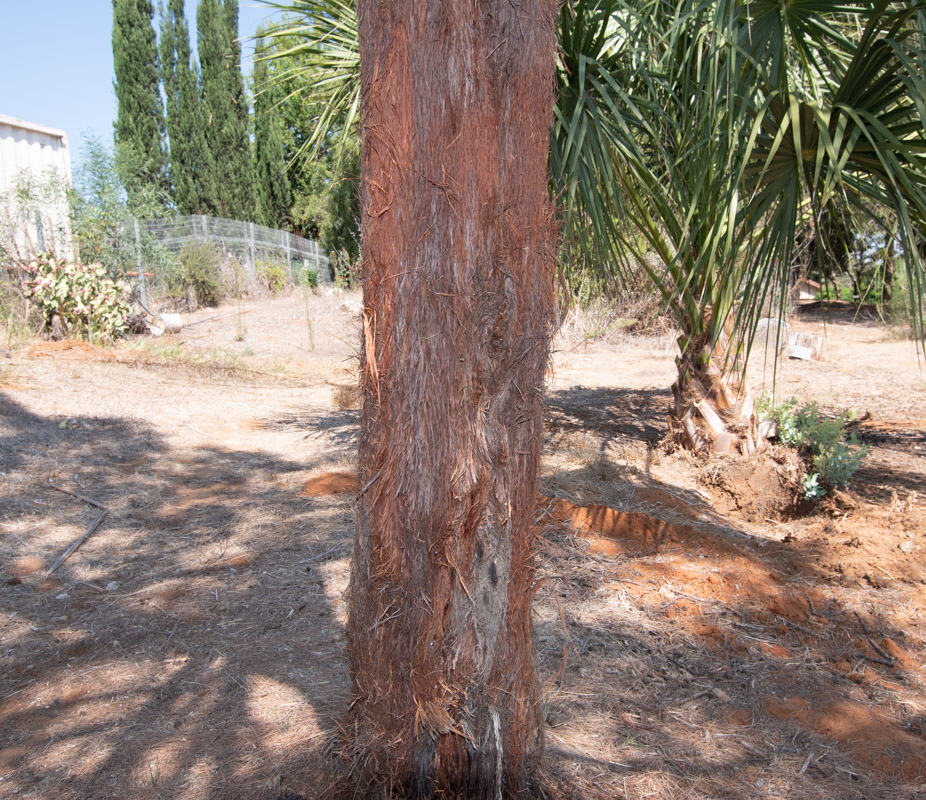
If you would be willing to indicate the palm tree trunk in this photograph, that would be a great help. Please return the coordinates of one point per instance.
(458, 248)
(714, 407)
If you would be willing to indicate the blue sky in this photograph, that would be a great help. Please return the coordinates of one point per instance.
(56, 63)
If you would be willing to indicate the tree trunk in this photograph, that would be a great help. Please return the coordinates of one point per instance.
(458, 248)
(714, 407)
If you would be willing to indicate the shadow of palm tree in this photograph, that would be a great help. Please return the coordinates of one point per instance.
(612, 413)
(193, 646)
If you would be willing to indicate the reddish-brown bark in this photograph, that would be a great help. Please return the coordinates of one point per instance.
(458, 243)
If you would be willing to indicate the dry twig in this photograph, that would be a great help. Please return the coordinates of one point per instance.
(78, 542)
(86, 534)
(92, 502)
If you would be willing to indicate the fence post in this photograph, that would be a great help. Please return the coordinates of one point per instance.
(202, 222)
(39, 231)
(284, 240)
(142, 289)
(253, 269)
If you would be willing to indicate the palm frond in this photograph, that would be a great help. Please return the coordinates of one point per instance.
(319, 39)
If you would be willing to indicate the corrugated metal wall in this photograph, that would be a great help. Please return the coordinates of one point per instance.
(34, 158)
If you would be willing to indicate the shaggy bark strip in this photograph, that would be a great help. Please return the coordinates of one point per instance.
(458, 242)
(713, 408)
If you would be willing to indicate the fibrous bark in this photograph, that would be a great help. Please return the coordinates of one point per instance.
(714, 406)
(458, 247)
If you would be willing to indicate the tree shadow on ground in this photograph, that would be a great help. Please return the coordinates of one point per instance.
(896, 462)
(679, 680)
(339, 426)
(839, 311)
(192, 647)
(625, 487)
(878, 479)
(638, 414)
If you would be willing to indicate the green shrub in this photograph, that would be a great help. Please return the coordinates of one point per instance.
(785, 418)
(346, 271)
(811, 486)
(835, 457)
(308, 276)
(831, 292)
(823, 443)
(273, 275)
(83, 297)
(199, 270)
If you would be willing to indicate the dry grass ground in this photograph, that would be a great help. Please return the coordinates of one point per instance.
(193, 646)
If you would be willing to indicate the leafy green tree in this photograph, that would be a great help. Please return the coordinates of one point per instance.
(139, 127)
(274, 197)
(192, 167)
(101, 218)
(225, 108)
(339, 230)
(326, 200)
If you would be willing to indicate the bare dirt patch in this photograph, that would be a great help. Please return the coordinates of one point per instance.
(329, 483)
(689, 646)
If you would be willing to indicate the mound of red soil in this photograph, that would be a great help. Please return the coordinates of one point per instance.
(329, 483)
(74, 348)
(765, 486)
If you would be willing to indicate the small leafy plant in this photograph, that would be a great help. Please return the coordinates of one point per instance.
(833, 456)
(309, 278)
(811, 486)
(784, 416)
(82, 298)
(273, 275)
(199, 270)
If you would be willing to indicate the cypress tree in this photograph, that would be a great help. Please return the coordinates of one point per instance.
(273, 189)
(225, 107)
(191, 164)
(139, 128)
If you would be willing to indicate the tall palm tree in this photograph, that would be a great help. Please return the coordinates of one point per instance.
(458, 237)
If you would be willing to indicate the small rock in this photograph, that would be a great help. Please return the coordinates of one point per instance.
(768, 428)
(112, 586)
(906, 547)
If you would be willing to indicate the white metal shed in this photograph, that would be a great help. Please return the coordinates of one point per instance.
(35, 172)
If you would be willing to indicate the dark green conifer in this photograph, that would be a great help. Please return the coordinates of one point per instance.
(139, 129)
(225, 107)
(191, 164)
(274, 195)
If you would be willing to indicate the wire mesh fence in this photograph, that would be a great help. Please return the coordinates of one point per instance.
(248, 243)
